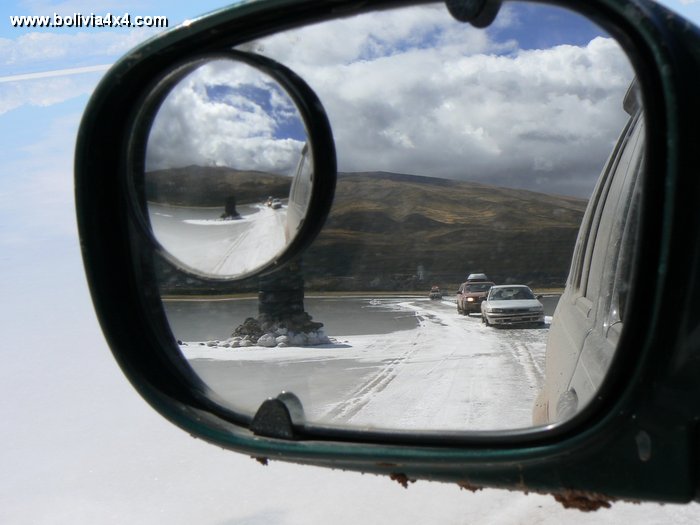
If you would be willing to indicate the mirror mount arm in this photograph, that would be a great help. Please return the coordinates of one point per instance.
(276, 418)
(479, 13)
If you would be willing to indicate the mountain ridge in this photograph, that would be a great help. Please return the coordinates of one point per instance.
(392, 231)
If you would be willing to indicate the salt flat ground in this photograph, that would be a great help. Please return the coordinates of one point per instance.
(450, 372)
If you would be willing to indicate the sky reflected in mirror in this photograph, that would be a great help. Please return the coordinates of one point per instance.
(224, 149)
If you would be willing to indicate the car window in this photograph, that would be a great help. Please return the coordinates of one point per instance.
(578, 277)
(616, 281)
(606, 245)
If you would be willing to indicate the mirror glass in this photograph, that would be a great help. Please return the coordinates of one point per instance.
(437, 295)
(224, 151)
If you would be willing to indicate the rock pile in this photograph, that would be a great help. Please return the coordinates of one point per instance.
(251, 333)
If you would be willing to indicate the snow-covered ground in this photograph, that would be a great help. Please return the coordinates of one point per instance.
(200, 239)
(450, 372)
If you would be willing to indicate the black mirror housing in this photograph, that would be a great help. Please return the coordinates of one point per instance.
(634, 442)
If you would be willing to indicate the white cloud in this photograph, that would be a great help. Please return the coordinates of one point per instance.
(413, 91)
(35, 54)
(78, 48)
(215, 117)
(444, 100)
(368, 37)
(45, 92)
(55, 73)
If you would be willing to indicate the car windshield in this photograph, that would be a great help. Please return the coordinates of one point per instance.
(478, 287)
(506, 294)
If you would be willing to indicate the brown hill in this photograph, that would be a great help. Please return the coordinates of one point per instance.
(387, 230)
(209, 186)
(390, 231)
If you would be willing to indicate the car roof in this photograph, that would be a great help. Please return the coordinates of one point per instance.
(510, 286)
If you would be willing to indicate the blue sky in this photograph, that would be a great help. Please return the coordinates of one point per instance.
(289, 127)
(177, 10)
(565, 28)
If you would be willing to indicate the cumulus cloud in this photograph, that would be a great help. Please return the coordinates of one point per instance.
(77, 48)
(444, 99)
(414, 91)
(371, 37)
(35, 53)
(226, 114)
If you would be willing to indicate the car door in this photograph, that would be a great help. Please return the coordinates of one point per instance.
(588, 318)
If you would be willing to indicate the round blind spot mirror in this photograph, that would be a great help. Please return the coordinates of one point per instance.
(229, 170)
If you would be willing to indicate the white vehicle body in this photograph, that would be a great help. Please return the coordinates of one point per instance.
(510, 305)
(299, 194)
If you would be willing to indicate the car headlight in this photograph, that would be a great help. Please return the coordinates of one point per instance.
(470, 299)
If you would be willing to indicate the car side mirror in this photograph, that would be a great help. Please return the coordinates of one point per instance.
(208, 187)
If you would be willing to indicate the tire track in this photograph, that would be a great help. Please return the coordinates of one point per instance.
(522, 354)
(230, 250)
(360, 397)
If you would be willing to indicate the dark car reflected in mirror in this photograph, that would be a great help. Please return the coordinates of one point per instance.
(460, 151)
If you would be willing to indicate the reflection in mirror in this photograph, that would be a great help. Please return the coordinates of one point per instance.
(226, 148)
(461, 151)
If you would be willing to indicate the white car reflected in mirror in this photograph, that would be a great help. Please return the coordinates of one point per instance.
(512, 305)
